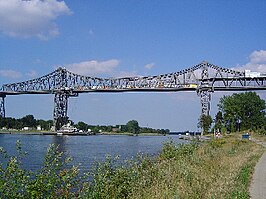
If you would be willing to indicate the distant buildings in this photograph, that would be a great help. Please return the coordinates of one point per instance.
(26, 128)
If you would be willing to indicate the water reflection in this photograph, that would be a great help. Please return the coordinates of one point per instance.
(60, 142)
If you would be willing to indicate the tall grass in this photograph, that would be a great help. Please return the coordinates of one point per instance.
(216, 169)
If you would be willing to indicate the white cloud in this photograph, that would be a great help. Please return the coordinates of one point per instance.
(149, 66)
(10, 74)
(126, 74)
(31, 18)
(94, 67)
(257, 62)
(99, 68)
(258, 57)
(32, 74)
(253, 67)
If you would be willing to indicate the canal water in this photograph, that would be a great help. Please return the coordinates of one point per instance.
(84, 150)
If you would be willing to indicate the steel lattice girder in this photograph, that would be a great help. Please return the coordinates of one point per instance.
(61, 79)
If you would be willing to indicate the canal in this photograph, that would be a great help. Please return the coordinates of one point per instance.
(84, 150)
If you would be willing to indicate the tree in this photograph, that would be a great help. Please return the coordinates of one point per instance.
(10, 123)
(124, 128)
(243, 111)
(163, 131)
(82, 126)
(109, 128)
(205, 122)
(133, 126)
(29, 121)
(45, 125)
(219, 121)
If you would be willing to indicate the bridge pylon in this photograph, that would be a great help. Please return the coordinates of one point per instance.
(2, 106)
(205, 90)
(205, 99)
(60, 109)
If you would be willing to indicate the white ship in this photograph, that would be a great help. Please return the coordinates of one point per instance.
(67, 128)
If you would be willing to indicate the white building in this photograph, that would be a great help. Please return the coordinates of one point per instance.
(39, 128)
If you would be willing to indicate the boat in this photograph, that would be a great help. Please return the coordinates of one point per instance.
(68, 128)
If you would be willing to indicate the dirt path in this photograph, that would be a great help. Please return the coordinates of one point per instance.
(258, 184)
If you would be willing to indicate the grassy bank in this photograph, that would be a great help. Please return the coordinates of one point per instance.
(258, 136)
(216, 169)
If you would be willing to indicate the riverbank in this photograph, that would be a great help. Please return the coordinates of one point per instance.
(44, 133)
(82, 134)
(219, 168)
(24, 132)
(130, 134)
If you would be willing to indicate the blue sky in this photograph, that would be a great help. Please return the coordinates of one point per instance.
(121, 38)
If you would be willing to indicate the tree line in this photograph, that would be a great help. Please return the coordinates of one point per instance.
(132, 126)
(238, 112)
(26, 121)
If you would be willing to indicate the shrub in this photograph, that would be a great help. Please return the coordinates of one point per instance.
(53, 180)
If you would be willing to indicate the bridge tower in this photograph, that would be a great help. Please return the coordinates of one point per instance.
(205, 90)
(60, 109)
(205, 98)
(2, 106)
(61, 99)
(62, 93)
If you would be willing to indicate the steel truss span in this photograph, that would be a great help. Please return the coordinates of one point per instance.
(203, 78)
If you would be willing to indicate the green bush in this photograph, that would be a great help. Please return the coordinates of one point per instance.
(171, 150)
(261, 131)
(53, 180)
(217, 143)
(110, 181)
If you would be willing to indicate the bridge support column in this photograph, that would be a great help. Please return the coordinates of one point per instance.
(2, 107)
(60, 110)
(205, 99)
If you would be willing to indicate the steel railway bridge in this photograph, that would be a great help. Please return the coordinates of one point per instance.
(204, 78)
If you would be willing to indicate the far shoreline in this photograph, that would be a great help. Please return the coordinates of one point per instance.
(19, 132)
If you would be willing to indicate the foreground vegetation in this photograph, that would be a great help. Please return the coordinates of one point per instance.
(216, 169)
